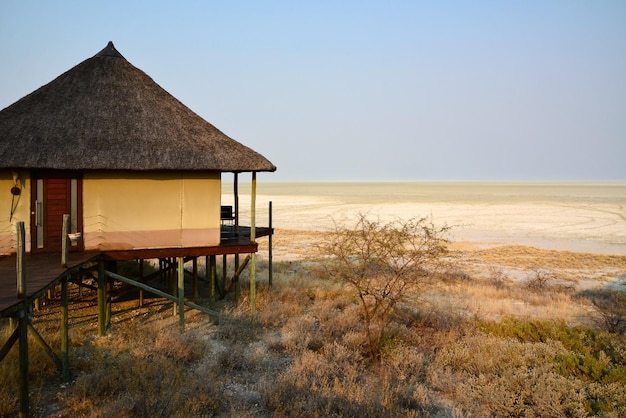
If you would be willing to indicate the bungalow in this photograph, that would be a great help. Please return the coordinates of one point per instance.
(133, 167)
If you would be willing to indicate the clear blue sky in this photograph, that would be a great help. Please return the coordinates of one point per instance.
(364, 90)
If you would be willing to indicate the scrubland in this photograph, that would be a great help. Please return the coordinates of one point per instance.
(505, 331)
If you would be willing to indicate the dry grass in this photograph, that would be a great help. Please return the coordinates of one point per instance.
(482, 343)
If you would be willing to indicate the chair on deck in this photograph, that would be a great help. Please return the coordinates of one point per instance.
(227, 217)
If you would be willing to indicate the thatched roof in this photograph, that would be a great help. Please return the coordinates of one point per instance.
(107, 114)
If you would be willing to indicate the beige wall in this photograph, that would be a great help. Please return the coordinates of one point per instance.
(125, 210)
(21, 203)
(151, 210)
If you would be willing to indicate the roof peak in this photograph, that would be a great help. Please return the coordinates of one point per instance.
(109, 51)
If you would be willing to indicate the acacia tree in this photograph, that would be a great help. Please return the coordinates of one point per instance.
(384, 263)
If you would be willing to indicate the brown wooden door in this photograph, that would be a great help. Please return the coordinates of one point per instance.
(55, 193)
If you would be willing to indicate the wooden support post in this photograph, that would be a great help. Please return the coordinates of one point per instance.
(194, 283)
(236, 196)
(65, 241)
(207, 271)
(236, 193)
(237, 287)
(269, 249)
(49, 351)
(109, 300)
(141, 279)
(20, 260)
(101, 299)
(224, 271)
(253, 239)
(235, 277)
(212, 278)
(9, 344)
(23, 338)
(173, 284)
(23, 317)
(181, 293)
(65, 335)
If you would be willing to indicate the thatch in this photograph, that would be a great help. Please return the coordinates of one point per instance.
(107, 114)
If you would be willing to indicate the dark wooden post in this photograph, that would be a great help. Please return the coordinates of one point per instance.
(65, 336)
(212, 278)
(65, 241)
(112, 266)
(224, 271)
(253, 239)
(23, 317)
(269, 250)
(181, 293)
(23, 338)
(194, 283)
(141, 273)
(236, 193)
(236, 198)
(101, 299)
(20, 266)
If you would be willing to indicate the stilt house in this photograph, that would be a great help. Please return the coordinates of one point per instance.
(136, 170)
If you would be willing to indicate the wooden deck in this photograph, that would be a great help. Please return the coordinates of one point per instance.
(45, 270)
(42, 272)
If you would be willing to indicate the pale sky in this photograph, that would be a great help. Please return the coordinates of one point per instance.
(364, 90)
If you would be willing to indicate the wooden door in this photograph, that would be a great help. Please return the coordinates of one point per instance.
(54, 194)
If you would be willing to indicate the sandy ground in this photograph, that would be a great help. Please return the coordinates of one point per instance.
(575, 232)
(574, 217)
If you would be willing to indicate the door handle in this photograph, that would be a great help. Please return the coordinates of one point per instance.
(38, 213)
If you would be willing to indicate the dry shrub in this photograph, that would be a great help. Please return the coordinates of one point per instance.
(336, 317)
(610, 309)
(533, 369)
(124, 385)
(237, 326)
(282, 305)
(301, 333)
(338, 381)
(504, 377)
(178, 346)
(383, 263)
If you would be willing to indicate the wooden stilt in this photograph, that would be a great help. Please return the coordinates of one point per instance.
(173, 285)
(65, 241)
(141, 276)
(23, 317)
(224, 271)
(269, 250)
(65, 336)
(181, 293)
(101, 299)
(253, 239)
(20, 265)
(212, 278)
(237, 287)
(236, 194)
(23, 338)
(194, 283)
(109, 298)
